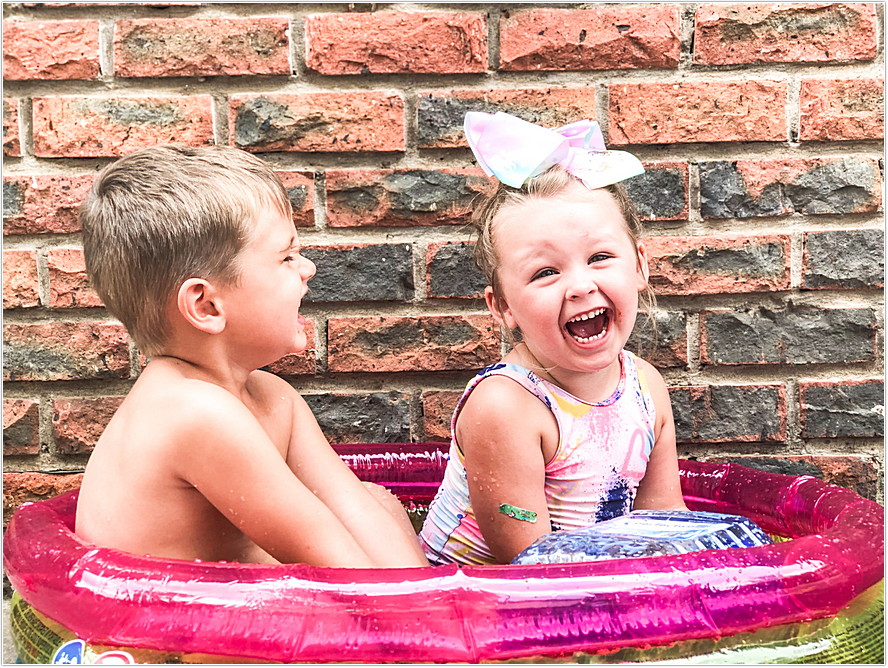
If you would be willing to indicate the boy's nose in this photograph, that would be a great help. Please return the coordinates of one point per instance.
(308, 268)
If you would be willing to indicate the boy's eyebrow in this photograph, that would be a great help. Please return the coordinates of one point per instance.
(290, 244)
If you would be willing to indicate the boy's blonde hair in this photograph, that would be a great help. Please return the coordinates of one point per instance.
(548, 184)
(164, 214)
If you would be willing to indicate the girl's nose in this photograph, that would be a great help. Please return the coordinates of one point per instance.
(580, 286)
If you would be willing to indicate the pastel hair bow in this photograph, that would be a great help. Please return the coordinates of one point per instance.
(514, 150)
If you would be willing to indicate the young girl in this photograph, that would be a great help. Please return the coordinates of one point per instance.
(569, 428)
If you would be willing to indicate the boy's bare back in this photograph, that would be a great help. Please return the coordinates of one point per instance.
(138, 493)
(194, 249)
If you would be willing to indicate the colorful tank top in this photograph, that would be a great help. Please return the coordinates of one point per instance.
(602, 454)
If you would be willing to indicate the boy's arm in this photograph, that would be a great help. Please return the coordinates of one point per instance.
(227, 456)
(660, 489)
(372, 526)
(500, 431)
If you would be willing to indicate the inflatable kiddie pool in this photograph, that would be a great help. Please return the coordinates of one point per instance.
(816, 597)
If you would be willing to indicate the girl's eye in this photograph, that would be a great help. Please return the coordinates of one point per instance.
(598, 257)
(543, 273)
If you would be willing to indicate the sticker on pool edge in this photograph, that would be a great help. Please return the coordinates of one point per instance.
(69, 654)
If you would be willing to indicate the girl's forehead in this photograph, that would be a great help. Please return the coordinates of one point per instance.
(577, 209)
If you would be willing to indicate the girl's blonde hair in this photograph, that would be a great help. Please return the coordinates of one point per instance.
(548, 184)
(164, 214)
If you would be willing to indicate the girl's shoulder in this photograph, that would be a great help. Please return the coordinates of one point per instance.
(504, 410)
(653, 388)
(647, 372)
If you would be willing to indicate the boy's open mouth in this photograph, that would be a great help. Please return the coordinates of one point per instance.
(589, 326)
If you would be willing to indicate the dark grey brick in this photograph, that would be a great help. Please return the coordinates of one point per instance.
(777, 465)
(659, 193)
(843, 409)
(13, 197)
(723, 194)
(789, 336)
(662, 340)
(728, 413)
(426, 190)
(261, 121)
(381, 272)
(378, 417)
(844, 259)
(452, 272)
(849, 185)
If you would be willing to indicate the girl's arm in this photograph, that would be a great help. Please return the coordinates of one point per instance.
(501, 431)
(660, 489)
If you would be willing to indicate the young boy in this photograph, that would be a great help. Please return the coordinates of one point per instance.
(195, 251)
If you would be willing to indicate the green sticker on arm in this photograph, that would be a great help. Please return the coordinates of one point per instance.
(518, 513)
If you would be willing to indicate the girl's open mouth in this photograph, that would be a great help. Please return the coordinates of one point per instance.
(589, 326)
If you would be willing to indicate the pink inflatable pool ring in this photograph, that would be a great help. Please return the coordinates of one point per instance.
(297, 613)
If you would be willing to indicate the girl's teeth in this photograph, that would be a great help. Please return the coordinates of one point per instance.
(586, 316)
(591, 338)
(580, 325)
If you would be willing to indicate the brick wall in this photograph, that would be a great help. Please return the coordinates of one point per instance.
(761, 127)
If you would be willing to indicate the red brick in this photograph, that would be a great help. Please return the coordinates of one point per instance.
(84, 127)
(396, 42)
(427, 343)
(300, 187)
(42, 204)
(841, 109)
(697, 111)
(201, 47)
(590, 39)
(11, 145)
(21, 427)
(300, 364)
(77, 423)
(65, 351)
(20, 287)
(440, 113)
(19, 488)
(387, 197)
(437, 411)
(718, 265)
(342, 121)
(68, 283)
(792, 32)
(50, 50)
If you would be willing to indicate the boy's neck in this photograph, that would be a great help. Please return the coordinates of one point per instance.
(206, 363)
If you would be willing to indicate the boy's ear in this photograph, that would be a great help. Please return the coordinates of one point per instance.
(499, 309)
(643, 268)
(199, 304)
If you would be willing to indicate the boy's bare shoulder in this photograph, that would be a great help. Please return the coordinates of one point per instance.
(181, 399)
